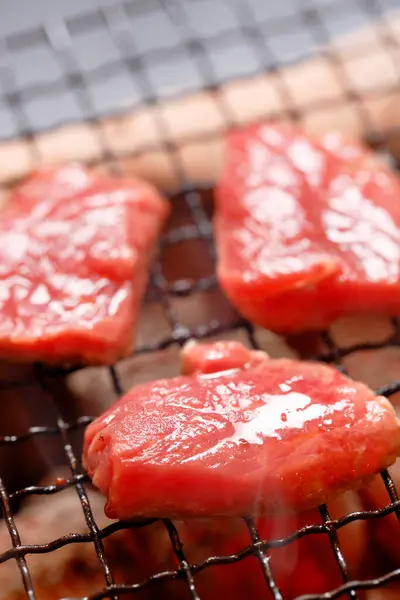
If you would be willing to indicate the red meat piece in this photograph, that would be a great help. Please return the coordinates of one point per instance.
(275, 436)
(306, 230)
(304, 566)
(219, 356)
(74, 254)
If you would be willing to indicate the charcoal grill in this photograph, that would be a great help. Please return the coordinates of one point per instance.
(253, 32)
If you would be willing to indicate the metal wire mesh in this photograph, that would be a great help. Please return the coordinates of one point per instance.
(117, 22)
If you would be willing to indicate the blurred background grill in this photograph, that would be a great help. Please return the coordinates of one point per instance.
(53, 52)
(87, 63)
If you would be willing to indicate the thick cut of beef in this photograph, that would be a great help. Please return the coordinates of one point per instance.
(306, 230)
(74, 255)
(261, 438)
(217, 357)
(306, 566)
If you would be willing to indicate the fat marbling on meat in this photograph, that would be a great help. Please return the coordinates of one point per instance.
(264, 437)
(306, 230)
(74, 254)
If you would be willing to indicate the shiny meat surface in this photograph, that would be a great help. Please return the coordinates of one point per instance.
(306, 230)
(375, 367)
(219, 356)
(74, 254)
(277, 436)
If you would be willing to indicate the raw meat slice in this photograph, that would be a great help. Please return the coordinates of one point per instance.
(219, 356)
(277, 436)
(306, 230)
(296, 567)
(74, 255)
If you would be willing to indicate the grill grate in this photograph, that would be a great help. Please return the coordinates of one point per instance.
(254, 31)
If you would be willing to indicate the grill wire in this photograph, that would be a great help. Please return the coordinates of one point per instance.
(116, 19)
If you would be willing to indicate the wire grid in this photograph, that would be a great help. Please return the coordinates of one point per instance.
(116, 20)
